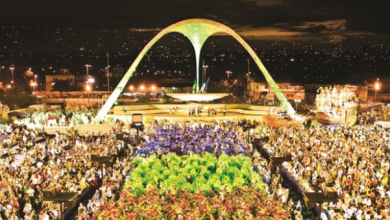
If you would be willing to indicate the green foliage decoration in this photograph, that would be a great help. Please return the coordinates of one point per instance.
(195, 173)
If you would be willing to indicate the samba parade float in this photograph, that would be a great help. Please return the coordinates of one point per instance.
(178, 175)
(336, 105)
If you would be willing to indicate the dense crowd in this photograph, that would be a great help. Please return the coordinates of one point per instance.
(354, 161)
(13, 141)
(70, 117)
(376, 113)
(61, 164)
(190, 137)
(64, 163)
(112, 181)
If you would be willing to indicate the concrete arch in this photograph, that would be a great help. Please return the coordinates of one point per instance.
(197, 31)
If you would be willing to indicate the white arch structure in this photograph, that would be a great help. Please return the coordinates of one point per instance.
(197, 31)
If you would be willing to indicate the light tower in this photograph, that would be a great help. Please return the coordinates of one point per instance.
(12, 68)
(108, 73)
(204, 77)
(376, 88)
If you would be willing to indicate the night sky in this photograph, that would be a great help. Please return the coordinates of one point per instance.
(263, 19)
(349, 37)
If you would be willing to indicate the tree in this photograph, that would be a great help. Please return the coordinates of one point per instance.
(21, 100)
(144, 99)
(239, 91)
(62, 85)
(217, 87)
(15, 90)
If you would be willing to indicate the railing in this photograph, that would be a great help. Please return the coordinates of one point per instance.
(292, 182)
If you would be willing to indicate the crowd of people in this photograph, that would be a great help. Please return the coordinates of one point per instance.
(185, 138)
(16, 140)
(191, 137)
(200, 109)
(62, 164)
(112, 181)
(353, 161)
(377, 113)
(58, 117)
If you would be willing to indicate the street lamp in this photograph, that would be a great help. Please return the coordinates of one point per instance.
(36, 83)
(33, 85)
(142, 88)
(376, 88)
(8, 87)
(131, 88)
(205, 72)
(108, 72)
(153, 89)
(12, 68)
(88, 88)
(87, 66)
(228, 73)
(90, 81)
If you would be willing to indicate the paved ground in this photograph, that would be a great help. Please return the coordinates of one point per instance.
(204, 116)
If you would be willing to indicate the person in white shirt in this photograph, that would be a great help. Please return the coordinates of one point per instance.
(323, 216)
(109, 193)
(367, 215)
(30, 192)
(348, 213)
(381, 191)
(27, 208)
(359, 214)
(54, 214)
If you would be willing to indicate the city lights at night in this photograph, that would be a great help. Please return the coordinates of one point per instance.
(234, 109)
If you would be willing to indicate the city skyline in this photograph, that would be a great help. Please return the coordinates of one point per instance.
(315, 40)
(330, 21)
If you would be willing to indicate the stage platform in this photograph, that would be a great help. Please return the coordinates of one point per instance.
(81, 129)
(172, 112)
(205, 117)
(181, 112)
